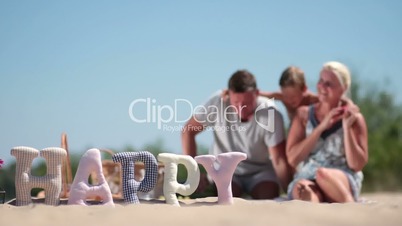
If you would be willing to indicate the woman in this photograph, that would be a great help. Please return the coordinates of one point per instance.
(327, 143)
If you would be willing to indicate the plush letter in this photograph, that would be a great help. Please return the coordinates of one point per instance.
(223, 175)
(24, 181)
(81, 189)
(130, 185)
(170, 184)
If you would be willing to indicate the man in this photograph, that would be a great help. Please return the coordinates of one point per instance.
(239, 124)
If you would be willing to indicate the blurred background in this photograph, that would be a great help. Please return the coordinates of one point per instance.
(78, 67)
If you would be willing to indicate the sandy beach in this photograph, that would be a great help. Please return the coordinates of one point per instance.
(376, 209)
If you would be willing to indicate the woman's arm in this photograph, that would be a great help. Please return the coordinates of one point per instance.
(355, 136)
(299, 146)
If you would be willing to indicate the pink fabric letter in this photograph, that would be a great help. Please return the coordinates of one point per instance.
(223, 175)
(81, 189)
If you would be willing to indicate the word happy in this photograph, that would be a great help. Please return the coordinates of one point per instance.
(90, 162)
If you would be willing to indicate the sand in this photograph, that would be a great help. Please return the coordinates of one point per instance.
(377, 209)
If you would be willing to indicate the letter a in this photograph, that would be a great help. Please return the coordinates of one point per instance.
(81, 189)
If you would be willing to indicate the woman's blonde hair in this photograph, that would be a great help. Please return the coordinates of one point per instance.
(342, 73)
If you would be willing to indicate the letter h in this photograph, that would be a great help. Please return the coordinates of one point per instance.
(24, 181)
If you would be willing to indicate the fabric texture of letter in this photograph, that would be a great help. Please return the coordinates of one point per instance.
(223, 175)
(81, 189)
(24, 181)
(130, 185)
(170, 184)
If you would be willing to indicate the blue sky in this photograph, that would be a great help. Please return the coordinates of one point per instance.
(75, 66)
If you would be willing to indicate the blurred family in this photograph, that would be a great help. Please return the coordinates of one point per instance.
(266, 169)
(321, 159)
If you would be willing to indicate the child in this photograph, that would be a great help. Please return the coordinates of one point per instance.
(294, 92)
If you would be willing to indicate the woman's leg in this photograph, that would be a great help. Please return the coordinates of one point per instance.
(334, 185)
(307, 190)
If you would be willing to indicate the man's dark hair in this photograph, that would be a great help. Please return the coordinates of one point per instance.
(242, 81)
